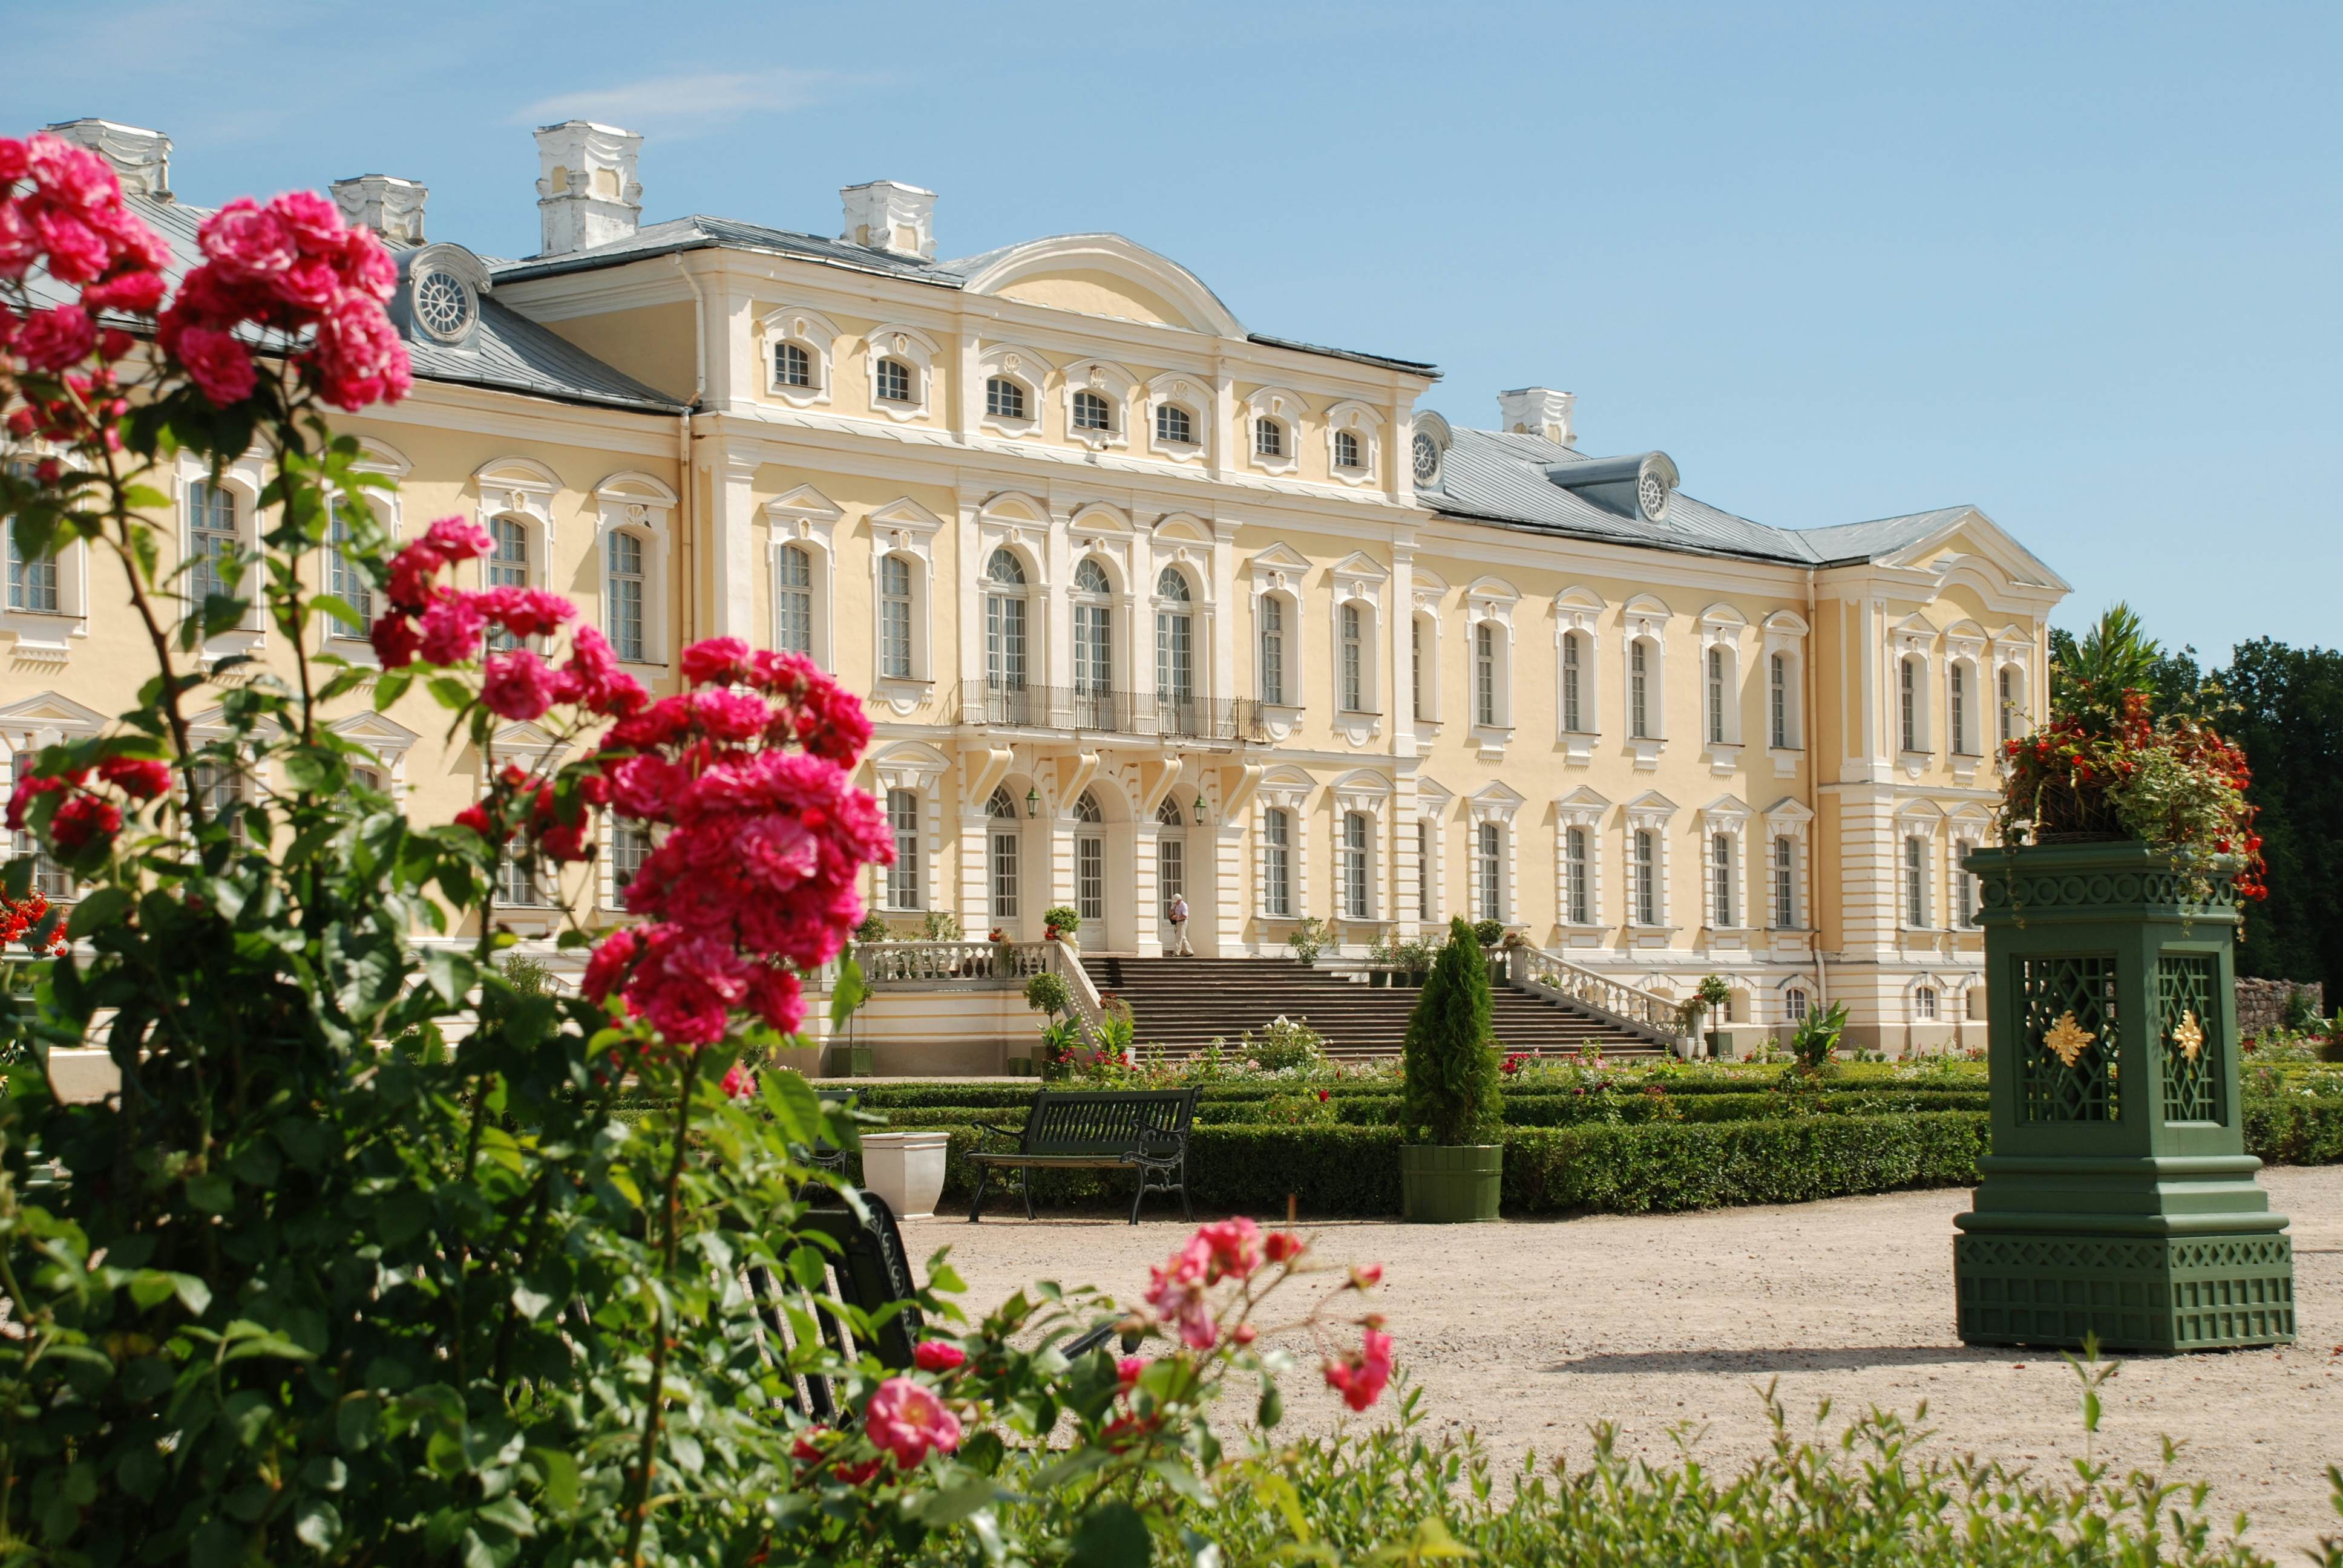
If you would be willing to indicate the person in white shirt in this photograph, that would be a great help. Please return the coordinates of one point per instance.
(1178, 915)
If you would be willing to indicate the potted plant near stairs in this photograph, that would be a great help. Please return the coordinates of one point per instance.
(1451, 1166)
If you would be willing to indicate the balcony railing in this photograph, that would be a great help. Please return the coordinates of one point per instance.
(1109, 713)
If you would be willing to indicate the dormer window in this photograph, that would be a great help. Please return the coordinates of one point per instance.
(1268, 439)
(1425, 457)
(1093, 412)
(1173, 427)
(1347, 454)
(1003, 398)
(792, 365)
(895, 382)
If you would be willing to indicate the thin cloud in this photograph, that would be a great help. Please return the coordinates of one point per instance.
(686, 104)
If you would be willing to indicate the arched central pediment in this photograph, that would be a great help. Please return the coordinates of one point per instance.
(1103, 275)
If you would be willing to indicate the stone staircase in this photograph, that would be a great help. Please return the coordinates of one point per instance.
(1183, 1004)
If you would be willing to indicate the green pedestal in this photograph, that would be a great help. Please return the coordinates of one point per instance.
(2118, 1201)
(1445, 1184)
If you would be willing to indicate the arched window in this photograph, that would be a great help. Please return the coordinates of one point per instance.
(1484, 673)
(1347, 452)
(1577, 900)
(1003, 398)
(903, 825)
(895, 618)
(1173, 427)
(1777, 699)
(1093, 630)
(1786, 884)
(1004, 622)
(1956, 708)
(1574, 682)
(1268, 439)
(1924, 1004)
(623, 598)
(343, 580)
(1273, 650)
(1002, 855)
(1488, 871)
(794, 603)
(896, 380)
(1353, 671)
(1907, 697)
(1176, 654)
(1795, 1004)
(508, 563)
(212, 541)
(1357, 901)
(1915, 882)
(1093, 412)
(792, 365)
(1717, 696)
(1276, 863)
(1720, 872)
(1646, 870)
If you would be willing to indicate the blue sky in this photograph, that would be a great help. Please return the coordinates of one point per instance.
(2076, 264)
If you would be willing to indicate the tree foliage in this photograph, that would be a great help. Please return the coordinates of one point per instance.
(1451, 1050)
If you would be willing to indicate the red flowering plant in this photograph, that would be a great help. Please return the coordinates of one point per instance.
(2106, 766)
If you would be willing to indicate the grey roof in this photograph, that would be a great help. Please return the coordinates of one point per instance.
(699, 232)
(507, 353)
(1497, 476)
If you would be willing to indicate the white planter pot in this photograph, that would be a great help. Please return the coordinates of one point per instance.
(907, 1169)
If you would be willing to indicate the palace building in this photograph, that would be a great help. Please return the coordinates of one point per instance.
(1147, 602)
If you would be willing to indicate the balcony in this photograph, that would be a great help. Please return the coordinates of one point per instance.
(1107, 712)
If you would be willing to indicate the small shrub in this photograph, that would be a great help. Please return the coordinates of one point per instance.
(1310, 938)
(1489, 933)
(1817, 1041)
(941, 926)
(1061, 918)
(526, 976)
(1450, 1053)
(2299, 1015)
(1047, 993)
(873, 928)
(1714, 993)
(1286, 1044)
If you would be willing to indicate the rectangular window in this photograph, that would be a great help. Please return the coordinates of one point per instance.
(343, 580)
(507, 566)
(1957, 712)
(1571, 674)
(1353, 662)
(1004, 642)
(1424, 871)
(1924, 1004)
(1964, 898)
(630, 846)
(1785, 885)
(1003, 398)
(792, 365)
(795, 600)
(1268, 439)
(1639, 690)
(1277, 864)
(1578, 905)
(32, 585)
(1720, 870)
(895, 618)
(894, 381)
(1778, 701)
(1908, 696)
(517, 882)
(626, 601)
(1415, 669)
(50, 880)
(1717, 696)
(221, 793)
(1093, 650)
(1091, 412)
(1090, 877)
(1272, 651)
(1170, 871)
(1357, 903)
(211, 541)
(1915, 882)
(904, 884)
(1489, 871)
(1485, 674)
(1647, 878)
(1175, 658)
(2008, 678)
(1004, 875)
(1795, 1003)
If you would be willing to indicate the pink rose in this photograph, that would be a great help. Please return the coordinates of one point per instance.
(606, 967)
(456, 540)
(1176, 1290)
(249, 241)
(81, 817)
(29, 788)
(739, 1084)
(453, 628)
(358, 358)
(394, 640)
(140, 777)
(13, 160)
(19, 245)
(775, 997)
(939, 1356)
(77, 253)
(909, 1421)
(718, 660)
(218, 364)
(138, 293)
(731, 715)
(1235, 1247)
(518, 685)
(54, 339)
(72, 177)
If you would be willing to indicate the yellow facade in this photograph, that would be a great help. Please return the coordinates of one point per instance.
(1271, 669)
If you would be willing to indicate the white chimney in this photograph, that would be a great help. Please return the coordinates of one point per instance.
(589, 194)
(1538, 411)
(391, 207)
(141, 159)
(888, 215)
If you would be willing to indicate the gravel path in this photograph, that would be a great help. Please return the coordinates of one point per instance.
(1530, 1331)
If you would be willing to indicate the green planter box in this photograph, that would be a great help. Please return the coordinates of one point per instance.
(851, 1061)
(1446, 1184)
(2118, 1200)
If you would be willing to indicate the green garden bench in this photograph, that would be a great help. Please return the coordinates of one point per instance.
(1143, 1130)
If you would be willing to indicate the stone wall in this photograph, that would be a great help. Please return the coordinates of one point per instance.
(2261, 1003)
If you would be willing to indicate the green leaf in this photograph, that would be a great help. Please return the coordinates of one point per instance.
(508, 1512)
(1111, 1535)
(952, 1503)
(98, 910)
(558, 1475)
(212, 1192)
(390, 687)
(530, 1303)
(17, 881)
(316, 1525)
(847, 994)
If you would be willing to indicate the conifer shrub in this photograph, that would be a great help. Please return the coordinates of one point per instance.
(1451, 1050)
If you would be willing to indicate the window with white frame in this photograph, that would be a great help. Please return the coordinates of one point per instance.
(1717, 696)
(904, 881)
(1004, 622)
(220, 791)
(895, 381)
(1574, 682)
(1277, 864)
(1415, 668)
(32, 584)
(792, 365)
(1174, 427)
(1644, 876)
(1358, 895)
(1175, 647)
(1003, 398)
(1915, 881)
(1093, 412)
(623, 598)
(1957, 709)
(1424, 871)
(1907, 699)
(1093, 629)
(1273, 650)
(1353, 661)
(1489, 871)
(1777, 700)
(518, 881)
(1577, 902)
(1089, 858)
(1268, 439)
(50, 880)
(630, 846)
(1924, 1004)
(2012, 703)
(1795, 1003)
(1484, 673)
(508, 564)
(1349, 455)
(793, 600)
(895, 618)
(1720, 878)
(1639, 690)
(1965, 886)
(1001, 854)
(212, 542)
(1786, 883)
(344, 580)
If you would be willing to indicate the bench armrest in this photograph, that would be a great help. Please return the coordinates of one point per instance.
(1160, 1143)
(1010, 1133)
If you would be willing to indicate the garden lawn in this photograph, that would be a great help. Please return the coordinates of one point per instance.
(1532, 1329)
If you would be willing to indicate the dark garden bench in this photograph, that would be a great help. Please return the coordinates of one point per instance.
(824, 1155)
(869, 1272)
(1140, 1129)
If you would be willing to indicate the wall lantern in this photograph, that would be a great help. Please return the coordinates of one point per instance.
(1200, 810)
(1032, 802)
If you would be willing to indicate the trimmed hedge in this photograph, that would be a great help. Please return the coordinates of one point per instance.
(2295, 1129)
(1692, 1165)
